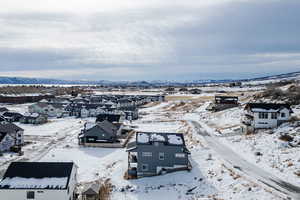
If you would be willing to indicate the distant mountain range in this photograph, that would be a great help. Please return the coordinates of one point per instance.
(35, 81)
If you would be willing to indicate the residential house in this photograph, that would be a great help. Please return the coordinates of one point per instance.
(39, 181)
(34, 118)
(12, 116)
(101, 132)
(92, 110)
(125, 102)
(223, 103)
(226, 100)
(157, 153)
(266, 115)
(51, 110)
(195, 91)
(10, 135)
(111, 117)
(131, 113)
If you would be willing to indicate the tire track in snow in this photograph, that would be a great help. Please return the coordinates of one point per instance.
(246, 167)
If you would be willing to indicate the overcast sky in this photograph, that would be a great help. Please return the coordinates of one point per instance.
(149, 39)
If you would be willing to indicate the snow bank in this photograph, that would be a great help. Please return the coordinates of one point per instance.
(143, 138)
(175, 139)
(157, 137)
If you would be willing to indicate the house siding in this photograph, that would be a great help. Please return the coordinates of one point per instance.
(6, 143)
(153, 162)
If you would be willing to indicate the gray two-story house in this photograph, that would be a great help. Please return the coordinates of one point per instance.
(157, 153)
(101, 132)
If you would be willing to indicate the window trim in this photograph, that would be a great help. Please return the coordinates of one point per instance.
(263, 115)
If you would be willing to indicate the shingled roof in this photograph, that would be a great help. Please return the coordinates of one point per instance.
(37, 175)
(9, 128)
(268, 106)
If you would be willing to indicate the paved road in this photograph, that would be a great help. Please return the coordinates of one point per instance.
(246, 167)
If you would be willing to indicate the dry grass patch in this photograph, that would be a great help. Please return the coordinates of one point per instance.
(105, 190)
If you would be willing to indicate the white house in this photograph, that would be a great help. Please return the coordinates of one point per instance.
(266, 115)
(51, 110)
(39, 181)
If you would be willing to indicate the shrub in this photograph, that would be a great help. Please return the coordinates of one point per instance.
(286, 138)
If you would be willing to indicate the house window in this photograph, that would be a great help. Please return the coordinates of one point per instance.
(146, 154)
(282, 115)
(145, 167)
(30, 195)
(263, 115)
(274, 115)
(179, 155)
(161, 156)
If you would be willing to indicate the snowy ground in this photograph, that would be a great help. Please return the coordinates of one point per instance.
(210, 178)
(263, 149)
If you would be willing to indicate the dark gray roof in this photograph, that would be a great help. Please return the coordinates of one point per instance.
(268, 106)
(109, 117)
(38, 170)
(105, 126)
(9, 128)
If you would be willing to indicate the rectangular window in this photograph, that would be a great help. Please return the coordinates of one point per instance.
(161, 156)
(266, 115)
(179, 155)
(146, 154)
(282, 115)
(263, 115)
(30, 195)
(274, 115)
(145, 167)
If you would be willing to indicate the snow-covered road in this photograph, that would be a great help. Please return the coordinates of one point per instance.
(246, 167)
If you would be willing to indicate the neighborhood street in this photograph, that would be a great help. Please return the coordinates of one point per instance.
(246, 167)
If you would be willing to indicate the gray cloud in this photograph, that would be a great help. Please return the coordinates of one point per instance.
(231, 39)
